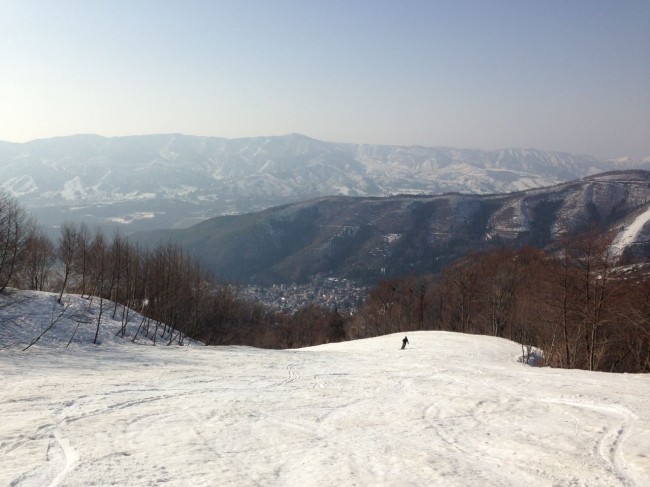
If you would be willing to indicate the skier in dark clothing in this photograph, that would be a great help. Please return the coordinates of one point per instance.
(404, 342)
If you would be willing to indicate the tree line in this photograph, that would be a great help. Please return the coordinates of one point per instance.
(174, 296)
(572, 302)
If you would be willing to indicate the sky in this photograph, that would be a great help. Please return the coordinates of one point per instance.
(559, 75)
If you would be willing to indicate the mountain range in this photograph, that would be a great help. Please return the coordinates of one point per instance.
(174, 181)
(368, 238)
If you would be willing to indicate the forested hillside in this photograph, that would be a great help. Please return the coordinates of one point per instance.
(376, 238)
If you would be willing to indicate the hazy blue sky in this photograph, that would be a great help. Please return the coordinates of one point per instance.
(566, 75)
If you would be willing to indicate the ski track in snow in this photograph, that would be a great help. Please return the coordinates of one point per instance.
(451, 410)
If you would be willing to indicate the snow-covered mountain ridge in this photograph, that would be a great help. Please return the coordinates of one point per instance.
(175, 180)
(374, 238)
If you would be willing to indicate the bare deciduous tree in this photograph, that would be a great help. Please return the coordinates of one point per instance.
(66, 253)
(15, 230)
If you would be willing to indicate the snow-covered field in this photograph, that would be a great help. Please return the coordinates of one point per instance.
(450, 410)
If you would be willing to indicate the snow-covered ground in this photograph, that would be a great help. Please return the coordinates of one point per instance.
(629, 234)
(450, 410)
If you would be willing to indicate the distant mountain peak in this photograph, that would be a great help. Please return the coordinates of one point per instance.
(182, 179)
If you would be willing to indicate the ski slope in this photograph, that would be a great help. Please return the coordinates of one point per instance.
(629, 235)
(451, 409)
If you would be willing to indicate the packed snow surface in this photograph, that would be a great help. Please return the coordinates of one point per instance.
(449, 410)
